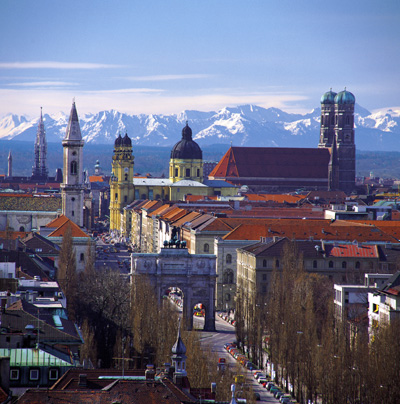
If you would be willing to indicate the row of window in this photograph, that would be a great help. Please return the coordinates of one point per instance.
(331, 264)
(34, 374)
(187, 172)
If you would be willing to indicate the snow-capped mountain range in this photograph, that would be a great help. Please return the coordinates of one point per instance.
(246, 125)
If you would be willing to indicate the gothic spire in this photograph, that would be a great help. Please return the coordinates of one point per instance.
(73, 129)
(40, 167)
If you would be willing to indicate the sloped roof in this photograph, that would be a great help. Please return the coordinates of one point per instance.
(273, 162)
(57, 222)
(299, 229)
(281, 198)
(187, 218)
(76, 231)
(26, 202)
(352, 250)
(22, 313)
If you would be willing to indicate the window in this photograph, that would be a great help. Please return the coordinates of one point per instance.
(14, 374)
(264, 263)
(347, 120)
(228, 276)
(315, 264)
(330, 264)
(126, 177)
(53, 374)
(74, 167)
(228, 258)
(72, 213)
(176, 172)
(116, 196)
(344, 264)
(73, 199)
(358, 265)
(277, 263)
(198, 172)
(82, 257)
(206, 248)
(34, 374)
(188, 172)
(38, 250)
(228, 297)
(264, 278)
(264, 288)
(22, 228)
(137, 194)
(125, 198)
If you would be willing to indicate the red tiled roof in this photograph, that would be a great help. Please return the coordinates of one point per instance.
(57, 222)
(76, 231)
(352, 250)
(305, 229)
(273, 162)
(96, 178)
(281, 198)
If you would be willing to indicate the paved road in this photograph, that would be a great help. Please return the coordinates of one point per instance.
(215, 340)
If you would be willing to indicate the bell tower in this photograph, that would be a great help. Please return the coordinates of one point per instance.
(121, 182)
(72, 186)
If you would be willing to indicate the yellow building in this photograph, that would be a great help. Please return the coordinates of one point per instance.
(185, 178)
(186, 159)
(121, 182)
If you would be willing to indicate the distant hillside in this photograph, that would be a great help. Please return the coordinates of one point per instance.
(155, 160)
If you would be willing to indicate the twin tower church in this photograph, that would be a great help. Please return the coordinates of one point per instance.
(331, 166)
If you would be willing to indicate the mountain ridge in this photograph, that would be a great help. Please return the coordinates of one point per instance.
(244, 125)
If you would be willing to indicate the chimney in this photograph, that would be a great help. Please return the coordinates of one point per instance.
(83, 380)
(150, 372)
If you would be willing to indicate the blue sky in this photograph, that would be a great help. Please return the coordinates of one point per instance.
(164, 56)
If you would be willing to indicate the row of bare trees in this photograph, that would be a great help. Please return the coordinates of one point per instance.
(123, 326)
(315, 355)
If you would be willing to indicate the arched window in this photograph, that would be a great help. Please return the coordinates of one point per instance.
(264, 263)
(74, 167)
(277, 263)
(22, 228)
(176, 172)
(358, 265)
(344, 264)
(126, 177)
(228, 276)
(330, 264)
(228, 258)
(206, 248)
(315, 264)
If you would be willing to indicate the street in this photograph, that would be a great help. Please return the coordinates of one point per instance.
(225, 333)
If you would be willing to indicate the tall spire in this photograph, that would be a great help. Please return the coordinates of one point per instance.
(39, 170)
(73, 129)
(9, 173)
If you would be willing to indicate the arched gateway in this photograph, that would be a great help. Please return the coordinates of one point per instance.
(193, 274)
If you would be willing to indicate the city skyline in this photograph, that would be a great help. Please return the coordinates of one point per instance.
(165, 57)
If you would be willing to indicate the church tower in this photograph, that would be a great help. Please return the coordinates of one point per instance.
(327, 131)
(186, 161)
(337, 134)
(344, 132)
(121, 182)
(39, 170)
(72, 186)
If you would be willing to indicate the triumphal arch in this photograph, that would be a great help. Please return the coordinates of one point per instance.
(193, 274)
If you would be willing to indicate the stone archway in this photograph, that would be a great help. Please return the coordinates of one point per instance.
(194, 274)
